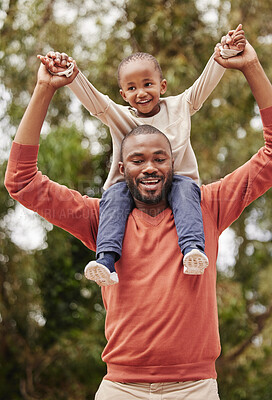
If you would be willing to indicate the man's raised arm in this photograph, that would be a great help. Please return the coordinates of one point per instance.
(58, 204)
(32, 121)
(227, 198)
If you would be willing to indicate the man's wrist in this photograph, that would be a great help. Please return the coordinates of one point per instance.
(45, 90)
(259, 83)
(45, 86)
(251, 67)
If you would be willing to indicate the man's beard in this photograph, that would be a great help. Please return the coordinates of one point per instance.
(150, 199)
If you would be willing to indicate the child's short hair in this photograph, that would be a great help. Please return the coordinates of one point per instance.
(139, 56)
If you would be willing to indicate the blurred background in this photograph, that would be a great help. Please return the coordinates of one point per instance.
(51, 317)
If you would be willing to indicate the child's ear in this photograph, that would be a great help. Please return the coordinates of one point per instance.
(123, 95)
(163, 86)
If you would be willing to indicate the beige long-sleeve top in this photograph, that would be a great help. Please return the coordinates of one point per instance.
(173, 119)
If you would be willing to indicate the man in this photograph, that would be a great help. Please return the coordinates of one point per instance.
(161, 325)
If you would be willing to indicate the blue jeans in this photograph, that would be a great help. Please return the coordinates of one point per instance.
(117, 203)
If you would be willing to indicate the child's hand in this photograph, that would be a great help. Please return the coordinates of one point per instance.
(58, 63)
(60, 59)
(234, 40)
(233, 43)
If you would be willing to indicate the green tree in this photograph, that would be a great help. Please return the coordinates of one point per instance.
(51, 320)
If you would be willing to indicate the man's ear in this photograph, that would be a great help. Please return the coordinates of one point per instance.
(163, 86)
(123, 95)
(121, 168)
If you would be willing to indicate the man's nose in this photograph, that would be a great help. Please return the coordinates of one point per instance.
(149, 168)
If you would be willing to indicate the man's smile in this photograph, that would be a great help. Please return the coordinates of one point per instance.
(151, 183)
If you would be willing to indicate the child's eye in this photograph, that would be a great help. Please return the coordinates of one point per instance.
(131, 88)
(148, 84)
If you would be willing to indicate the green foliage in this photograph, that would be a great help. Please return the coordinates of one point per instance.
(51, 318)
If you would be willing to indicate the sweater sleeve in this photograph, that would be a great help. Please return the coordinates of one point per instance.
(204, 85)
(59, 205)
(227, 198)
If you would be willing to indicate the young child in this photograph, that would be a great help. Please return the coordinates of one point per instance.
(141, 85)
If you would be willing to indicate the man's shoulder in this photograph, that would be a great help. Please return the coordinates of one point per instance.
(210, 193)
(92, 202)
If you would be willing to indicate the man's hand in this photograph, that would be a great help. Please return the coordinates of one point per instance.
(241, 62)
(248, 63)
(55, 82)
(56, 62)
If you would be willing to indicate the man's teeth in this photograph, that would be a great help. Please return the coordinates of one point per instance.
(150, 182)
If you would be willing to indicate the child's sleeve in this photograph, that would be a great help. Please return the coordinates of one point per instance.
(117, 117)
(204, 85)
(94, 101)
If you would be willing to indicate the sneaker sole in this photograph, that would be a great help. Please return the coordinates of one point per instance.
(195, 263)
(100, 274)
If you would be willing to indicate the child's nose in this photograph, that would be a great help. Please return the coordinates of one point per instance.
(141, 92)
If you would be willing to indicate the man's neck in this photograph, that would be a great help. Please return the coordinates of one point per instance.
(151, 209)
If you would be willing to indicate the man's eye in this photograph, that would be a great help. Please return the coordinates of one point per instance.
(160, 160)
(137, 161)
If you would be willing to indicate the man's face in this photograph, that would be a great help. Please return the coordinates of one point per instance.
(142, 86)
(148, 169)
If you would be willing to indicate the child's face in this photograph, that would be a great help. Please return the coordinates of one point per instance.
(142, 86)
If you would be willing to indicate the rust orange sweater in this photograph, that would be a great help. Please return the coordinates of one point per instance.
(161, 325)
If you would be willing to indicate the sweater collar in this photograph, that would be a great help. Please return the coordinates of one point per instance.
(137, 214)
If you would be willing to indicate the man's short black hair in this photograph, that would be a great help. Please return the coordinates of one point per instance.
(143, 130)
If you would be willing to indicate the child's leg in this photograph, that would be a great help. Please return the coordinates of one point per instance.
(115, 206)
(184, 200)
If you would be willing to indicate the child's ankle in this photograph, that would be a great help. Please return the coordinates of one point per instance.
(190, 248)
(108, 259)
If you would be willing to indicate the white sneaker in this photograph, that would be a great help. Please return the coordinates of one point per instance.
(195, 262)
(100, 274)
